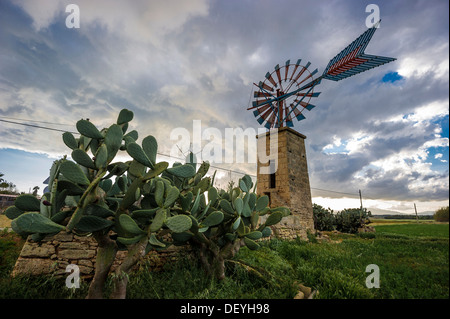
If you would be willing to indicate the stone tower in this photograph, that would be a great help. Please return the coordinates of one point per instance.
(285, 180)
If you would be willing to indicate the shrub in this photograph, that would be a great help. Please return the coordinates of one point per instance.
(441, 215)
(323, 218)
(350, 219)
(345, 221)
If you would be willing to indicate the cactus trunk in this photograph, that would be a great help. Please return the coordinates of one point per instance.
(213, 257)
(135, 253)
(106, 254)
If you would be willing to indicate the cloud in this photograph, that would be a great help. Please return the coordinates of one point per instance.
(173, 62)
(143, 21)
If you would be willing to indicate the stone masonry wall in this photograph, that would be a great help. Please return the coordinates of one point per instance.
(292, 188)
(53, 254)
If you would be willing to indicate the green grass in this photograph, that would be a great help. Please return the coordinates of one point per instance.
(413, 263)
(416, 229)
(408, 268)
(383, 221)
(10, 246)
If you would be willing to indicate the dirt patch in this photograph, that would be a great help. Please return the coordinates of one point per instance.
(5, 222)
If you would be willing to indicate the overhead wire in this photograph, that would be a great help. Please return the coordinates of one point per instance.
(35, 126)
(58, 130)
(2, 119)
(35, 121)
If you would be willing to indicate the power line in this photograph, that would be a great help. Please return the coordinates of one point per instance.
(170, 156)
(330, 191)
(221, 168)
(36, 126)
(35, 121)
(58, 130)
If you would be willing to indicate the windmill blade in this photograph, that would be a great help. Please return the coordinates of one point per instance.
(302, 71)
(264, 86)
(260, 120)
(314, 94)
(298, 115)
(295, 69)
(288, 63)
(288, 118)
(308, 77)
(277, 70)
(297, 102)
(352, 60)
(271, 120)
(271, 80)
(266, 114)
(260, 110)
(263, 116)
(307, 106)
(259, 94)
(258, 103)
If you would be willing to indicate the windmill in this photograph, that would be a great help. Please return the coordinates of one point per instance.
(281, 97)
(287, 91)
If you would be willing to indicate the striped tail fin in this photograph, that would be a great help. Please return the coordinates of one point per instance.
(352, 60)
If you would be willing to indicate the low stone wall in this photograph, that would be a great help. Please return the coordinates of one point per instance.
(53, 254)
(290, 228)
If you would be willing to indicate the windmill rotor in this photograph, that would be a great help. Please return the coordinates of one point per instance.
(287, 91)
(283, 95)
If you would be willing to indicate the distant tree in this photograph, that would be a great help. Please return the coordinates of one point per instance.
(7, 187)
(441, 215)
(230, 186)
(35, 190)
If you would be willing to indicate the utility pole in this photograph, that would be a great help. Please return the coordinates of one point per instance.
(361, 208)
(417, 217)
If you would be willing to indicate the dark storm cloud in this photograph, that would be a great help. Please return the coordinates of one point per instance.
(172, 64)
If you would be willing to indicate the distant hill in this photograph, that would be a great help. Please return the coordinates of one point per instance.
(378, 211)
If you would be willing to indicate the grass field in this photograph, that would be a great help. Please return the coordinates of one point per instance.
(417, 230)
(413, 260)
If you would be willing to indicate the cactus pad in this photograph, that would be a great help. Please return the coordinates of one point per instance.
(179, 223)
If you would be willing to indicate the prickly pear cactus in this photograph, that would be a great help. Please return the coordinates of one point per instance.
(225, 221)
(140, 204)
(112, 200)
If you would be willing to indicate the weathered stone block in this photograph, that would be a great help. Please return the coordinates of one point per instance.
(77, 253)
(36, 250)
(33, 266)
(74, 245)
(63, 236)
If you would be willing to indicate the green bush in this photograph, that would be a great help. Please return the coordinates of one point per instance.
(345, 221)
(349, 220)
(323, 218)
(441, 215)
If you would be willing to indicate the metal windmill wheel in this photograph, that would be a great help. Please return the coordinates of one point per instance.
(285, 93)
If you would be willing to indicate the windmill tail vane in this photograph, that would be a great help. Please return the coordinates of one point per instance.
(352, 60)
(287, 91)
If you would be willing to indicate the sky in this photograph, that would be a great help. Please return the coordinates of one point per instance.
(384, 132)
